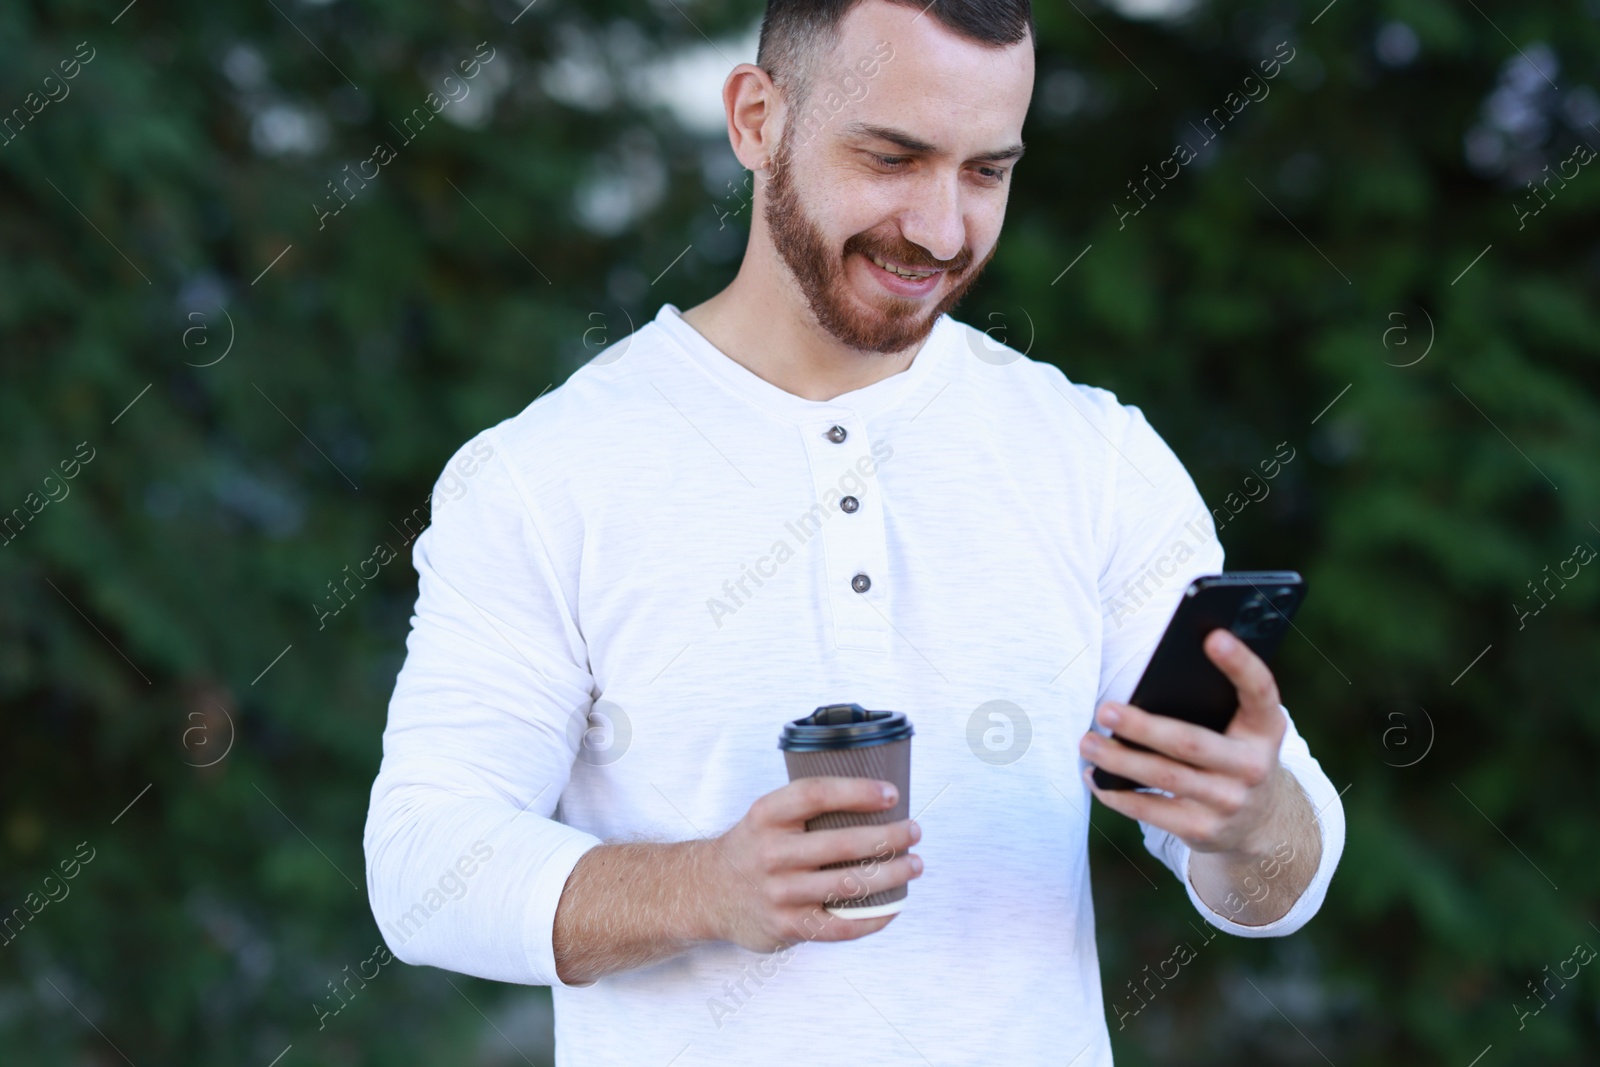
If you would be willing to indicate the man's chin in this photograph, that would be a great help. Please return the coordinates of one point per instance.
(882, 321)
(885, 334)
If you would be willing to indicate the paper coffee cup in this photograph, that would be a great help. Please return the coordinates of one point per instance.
(848, 741)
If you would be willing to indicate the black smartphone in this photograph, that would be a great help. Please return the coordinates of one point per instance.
(1180, 680)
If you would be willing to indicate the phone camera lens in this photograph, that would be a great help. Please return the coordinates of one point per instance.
(1250, 613)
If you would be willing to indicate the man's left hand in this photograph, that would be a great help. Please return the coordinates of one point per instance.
(1232, 802)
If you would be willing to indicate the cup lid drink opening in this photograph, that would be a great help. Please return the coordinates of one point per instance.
(835, 726)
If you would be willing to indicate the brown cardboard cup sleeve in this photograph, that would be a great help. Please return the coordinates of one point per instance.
(848, 741)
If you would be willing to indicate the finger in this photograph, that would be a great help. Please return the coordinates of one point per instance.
(1196, 745)
(1176, 816)
(816, 923)
(840, 887)
(1259, 712)
(1221, 793)
(822, 847)
(806, 798)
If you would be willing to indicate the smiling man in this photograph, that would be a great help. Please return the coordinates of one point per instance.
(817, 487)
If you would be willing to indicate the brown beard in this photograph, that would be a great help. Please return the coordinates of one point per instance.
(897, 323)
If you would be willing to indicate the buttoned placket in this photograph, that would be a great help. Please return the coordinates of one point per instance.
(854, 540)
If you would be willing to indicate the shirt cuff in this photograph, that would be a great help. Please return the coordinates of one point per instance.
(543, 901)
(1329, 809)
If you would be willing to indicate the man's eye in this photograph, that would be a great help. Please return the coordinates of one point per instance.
(891, 161)
(992, 173)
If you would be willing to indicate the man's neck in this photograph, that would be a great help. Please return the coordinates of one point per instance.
(756, 324)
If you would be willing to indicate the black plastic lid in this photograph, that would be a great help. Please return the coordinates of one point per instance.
(834, 726)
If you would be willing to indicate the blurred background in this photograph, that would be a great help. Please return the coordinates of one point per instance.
(230, 370)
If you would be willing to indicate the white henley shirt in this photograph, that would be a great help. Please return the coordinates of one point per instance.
(630, 586)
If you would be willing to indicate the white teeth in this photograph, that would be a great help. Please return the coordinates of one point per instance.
(913, 275)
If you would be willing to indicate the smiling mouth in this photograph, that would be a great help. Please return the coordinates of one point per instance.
(904, 272)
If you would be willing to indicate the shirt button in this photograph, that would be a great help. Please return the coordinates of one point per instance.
(861, 583)
(836, 434)
(849, 504)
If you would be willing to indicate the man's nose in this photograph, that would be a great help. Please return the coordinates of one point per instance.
(934, 218)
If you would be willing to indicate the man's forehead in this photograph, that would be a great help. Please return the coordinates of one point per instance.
(903, 70)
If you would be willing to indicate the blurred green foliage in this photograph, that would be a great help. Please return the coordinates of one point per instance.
(1280, 288)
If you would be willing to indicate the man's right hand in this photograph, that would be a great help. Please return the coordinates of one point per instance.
(764, 887)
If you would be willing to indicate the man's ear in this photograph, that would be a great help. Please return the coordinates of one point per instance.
(753, 106)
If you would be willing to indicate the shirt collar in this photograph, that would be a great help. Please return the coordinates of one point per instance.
(918, 378)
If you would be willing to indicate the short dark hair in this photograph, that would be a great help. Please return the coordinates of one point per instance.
(794, 31)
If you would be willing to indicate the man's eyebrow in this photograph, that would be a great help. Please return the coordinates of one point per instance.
(915, 144)
(1013, 153)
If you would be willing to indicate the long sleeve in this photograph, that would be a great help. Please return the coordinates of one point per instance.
(1158, 538)
(465, 864)
(1296, 756)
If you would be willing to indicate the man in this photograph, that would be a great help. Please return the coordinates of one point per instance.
(809, 490)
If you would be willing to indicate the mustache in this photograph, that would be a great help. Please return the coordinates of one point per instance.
(908, 254)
